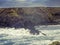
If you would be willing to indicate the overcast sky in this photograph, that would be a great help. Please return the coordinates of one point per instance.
(29, 3)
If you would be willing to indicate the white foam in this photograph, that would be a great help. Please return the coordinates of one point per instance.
(22, 36)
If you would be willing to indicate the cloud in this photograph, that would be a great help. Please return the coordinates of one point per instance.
(53, 3)
(28, 3)
(19, 3)
(20, 0)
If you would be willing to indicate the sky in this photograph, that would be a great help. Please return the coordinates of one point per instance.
(29, 3)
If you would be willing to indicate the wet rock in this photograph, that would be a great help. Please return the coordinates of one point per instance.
(55, 43)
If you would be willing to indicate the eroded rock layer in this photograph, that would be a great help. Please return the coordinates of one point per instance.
(31, 16)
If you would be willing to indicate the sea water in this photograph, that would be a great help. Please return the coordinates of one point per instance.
(12, 36)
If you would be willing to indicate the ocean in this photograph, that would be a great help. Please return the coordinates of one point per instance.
(12, 36)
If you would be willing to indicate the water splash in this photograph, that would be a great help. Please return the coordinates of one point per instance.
(23, 37)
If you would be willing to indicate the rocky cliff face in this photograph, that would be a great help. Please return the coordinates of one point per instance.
(22, 17)
(55, 13)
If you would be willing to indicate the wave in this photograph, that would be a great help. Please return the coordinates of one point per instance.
(24, 37)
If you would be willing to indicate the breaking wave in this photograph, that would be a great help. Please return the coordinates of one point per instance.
(12, 36)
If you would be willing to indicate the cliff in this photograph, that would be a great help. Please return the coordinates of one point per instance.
(22, 17)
